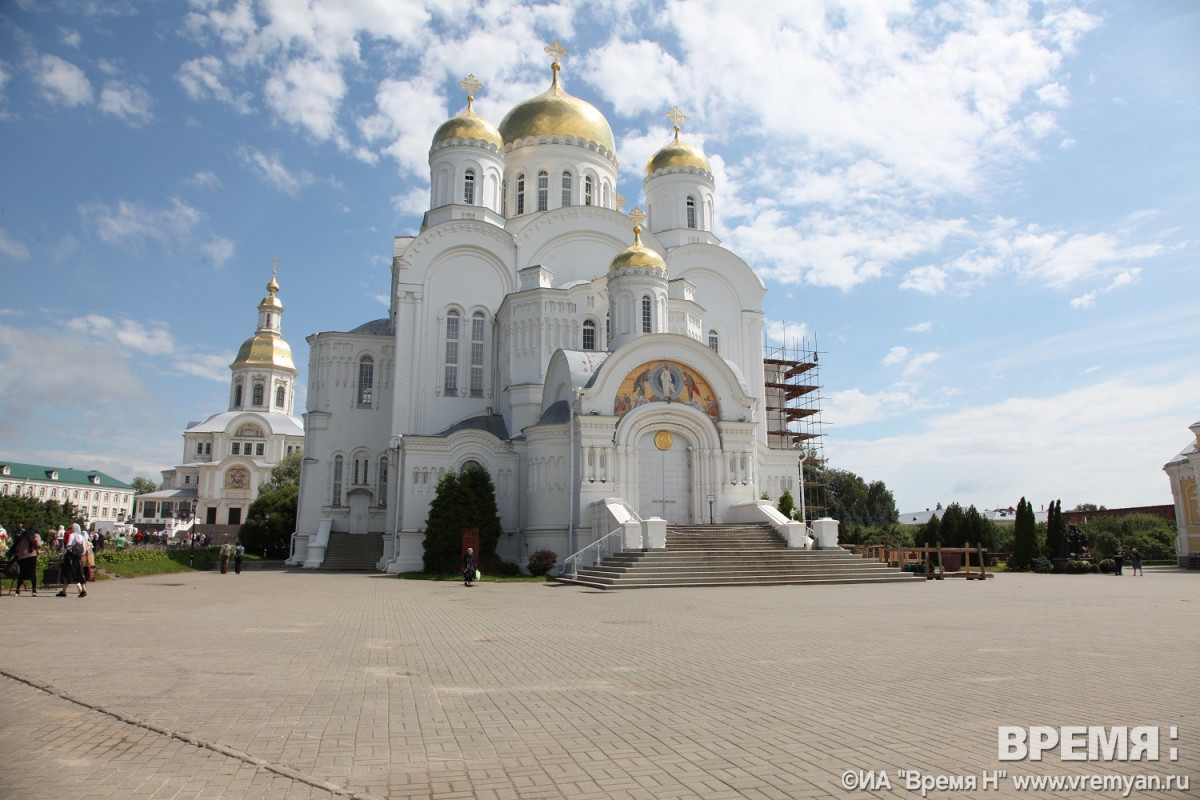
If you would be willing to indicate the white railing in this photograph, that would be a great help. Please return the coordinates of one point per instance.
(602, 548)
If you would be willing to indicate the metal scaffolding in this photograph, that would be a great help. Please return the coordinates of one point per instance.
(793, 409)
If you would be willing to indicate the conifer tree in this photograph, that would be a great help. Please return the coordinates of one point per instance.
(443, 527)
(1056, 531)
(1024, 536)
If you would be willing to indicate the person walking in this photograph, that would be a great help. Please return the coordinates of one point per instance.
(26, 548)
(239, 555)
(1135, 558)
(73, 570)
(225, 552)
(1118, 561)
(469, 566)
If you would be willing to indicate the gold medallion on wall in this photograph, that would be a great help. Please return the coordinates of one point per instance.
(663, 440)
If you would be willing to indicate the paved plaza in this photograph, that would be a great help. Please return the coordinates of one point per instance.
(282, 684)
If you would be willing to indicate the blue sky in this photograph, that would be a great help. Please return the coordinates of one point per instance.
(985, 214)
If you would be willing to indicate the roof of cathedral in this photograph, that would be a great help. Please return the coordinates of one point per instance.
(376, 327)
(556, 113)
(492, 423)
(556, 413)
(283, 424)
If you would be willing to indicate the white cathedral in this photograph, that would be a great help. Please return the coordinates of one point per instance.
(606, 375)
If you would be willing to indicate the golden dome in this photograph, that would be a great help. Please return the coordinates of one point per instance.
(468, 125)
(637, 254)
(678, 155)
(264, 350)
(556, 113)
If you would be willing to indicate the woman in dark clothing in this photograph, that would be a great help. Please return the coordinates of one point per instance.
(73, 570)
(469, 567)
(25, 550)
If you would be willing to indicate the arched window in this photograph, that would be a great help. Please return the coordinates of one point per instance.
(337, 481)
(566, 189)
(691, 212)
(280, 396)
(366, 381)
(381, 501)
(587, 190)
(237, 396)
(607, 330)
(605, 202)
(543, 190)
(477, 354)
(469, 187)
(450, 383)
(258, 395)
(521, 193)
(714, 341)
(355, 481)
(589, 334)
(646, 314)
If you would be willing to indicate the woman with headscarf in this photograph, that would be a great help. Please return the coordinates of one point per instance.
(73, 570)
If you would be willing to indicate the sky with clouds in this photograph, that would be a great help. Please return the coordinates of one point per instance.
(983, 214)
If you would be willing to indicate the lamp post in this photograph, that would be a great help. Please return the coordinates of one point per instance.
(267, 537)
(192, 550)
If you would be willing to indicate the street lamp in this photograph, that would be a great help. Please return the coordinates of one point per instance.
(267, 537)
(189, 512)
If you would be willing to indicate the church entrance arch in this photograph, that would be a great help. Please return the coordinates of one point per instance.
(664, 477)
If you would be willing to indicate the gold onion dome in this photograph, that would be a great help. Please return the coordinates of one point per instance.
(264, 350)
(637, 254)
(556, 113)
(468, 125)
(678, 154)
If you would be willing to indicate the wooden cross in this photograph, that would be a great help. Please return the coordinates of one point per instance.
(557, 50)
(471, 85)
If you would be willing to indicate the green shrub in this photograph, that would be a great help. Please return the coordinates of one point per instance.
(1107, 565)
(541, 562)
(919, 569)
(1041, 564)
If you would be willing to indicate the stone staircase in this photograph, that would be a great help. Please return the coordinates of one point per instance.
(353, 551)
(733, 555)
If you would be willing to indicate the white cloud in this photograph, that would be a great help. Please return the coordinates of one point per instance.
(897, 355)
(854, 407)
(11, 248)
(918, 363)
(788, 334)
(920, 327)
(71, 38)
(62, 82)
(206, 180)
(152, 339)
(133, 223)
(210, 366)
(1084, 300)
(130, 103)
(218, 251)
(927, 280)
(307, 94)
(270, 169)
(1040, 447)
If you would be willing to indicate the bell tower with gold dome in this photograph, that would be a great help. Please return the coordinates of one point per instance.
(637, 290)
(679, 191)
(264, 376)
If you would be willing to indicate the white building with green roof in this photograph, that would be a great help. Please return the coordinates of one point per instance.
(99, 497)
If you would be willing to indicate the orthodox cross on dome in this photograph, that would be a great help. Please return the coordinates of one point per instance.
(273, 286)
(638, 218)
(557, 51)
(676, 116)
(620, 202)
(471, 85)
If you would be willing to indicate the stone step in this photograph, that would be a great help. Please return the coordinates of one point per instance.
(352, 551)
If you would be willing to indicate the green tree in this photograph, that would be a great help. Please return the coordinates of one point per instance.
(285, 473)
(978, 530)
(1152, 536)
(33, 513)
(144, 486)
(786, 504)
(1024, 536)
(270, 523)
(1056, 531)
(465, 499)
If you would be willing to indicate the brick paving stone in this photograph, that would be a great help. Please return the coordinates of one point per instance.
(296, 685)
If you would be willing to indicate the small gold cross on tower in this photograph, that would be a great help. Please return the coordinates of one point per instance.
(274, 267)
(676, 116)
(620, 202)
(638, 218)
(471, 85)
(558, 51)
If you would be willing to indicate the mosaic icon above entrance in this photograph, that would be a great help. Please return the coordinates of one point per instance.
(665, 382)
